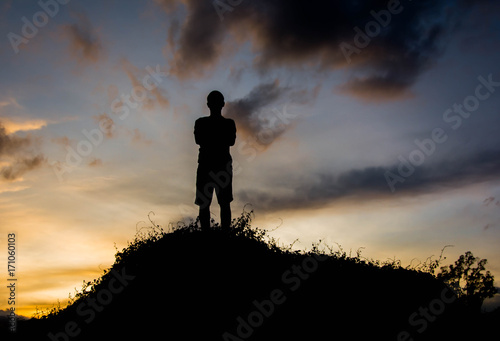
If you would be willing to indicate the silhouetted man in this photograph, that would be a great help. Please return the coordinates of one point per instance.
(215, 135)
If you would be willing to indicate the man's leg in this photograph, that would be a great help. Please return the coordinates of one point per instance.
(205, 216)
(225, 195)
(225, 215)
(204, 193)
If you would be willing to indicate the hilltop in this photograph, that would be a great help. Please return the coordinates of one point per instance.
(239, 284)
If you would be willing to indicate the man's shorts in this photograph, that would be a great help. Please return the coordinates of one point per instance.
(208, 179)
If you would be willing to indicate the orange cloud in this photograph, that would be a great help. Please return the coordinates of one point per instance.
(95, 162)
(153, 95)
(106, 124)
(139, 138)
(11, 126)
(63, 141)
(376, 89)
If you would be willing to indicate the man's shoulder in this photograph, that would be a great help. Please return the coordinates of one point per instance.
(210, 121)
(202, 120)
(229, 121)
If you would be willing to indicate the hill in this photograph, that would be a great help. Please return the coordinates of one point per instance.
(238, 285)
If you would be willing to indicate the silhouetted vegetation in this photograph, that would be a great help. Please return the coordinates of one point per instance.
(240, 284)
(470, 284)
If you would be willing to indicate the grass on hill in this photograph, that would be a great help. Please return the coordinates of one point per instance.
(240, 284)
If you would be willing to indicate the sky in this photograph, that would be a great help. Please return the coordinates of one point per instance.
(374, 125)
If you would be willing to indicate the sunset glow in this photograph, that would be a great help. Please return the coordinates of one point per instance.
(373, 126)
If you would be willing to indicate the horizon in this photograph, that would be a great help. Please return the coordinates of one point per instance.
(371, 125)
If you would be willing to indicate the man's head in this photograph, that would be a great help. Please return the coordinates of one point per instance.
(215, 101)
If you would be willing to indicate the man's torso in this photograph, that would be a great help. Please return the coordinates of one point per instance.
(215, 135)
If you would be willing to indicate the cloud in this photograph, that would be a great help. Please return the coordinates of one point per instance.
(106, 124)
(85, 44)
(379, 88)
(12, 116)
(63, 141)
(168, 5)
(150, 95)
(95, 162)
(245, 110)
(138, 137)
(11, 101)
(10, 144)
(11, 126)
(199, 40)
(495, 204)
(21, 166)
(262, 115)
(398, 47)
(487, 226)
(370, 183)
(113, 93)
(17, 155)
(491, 200)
